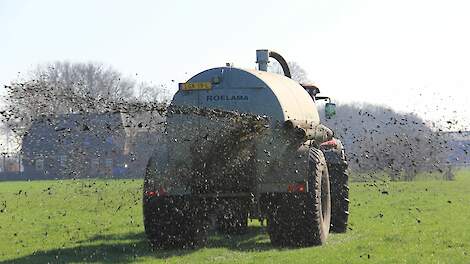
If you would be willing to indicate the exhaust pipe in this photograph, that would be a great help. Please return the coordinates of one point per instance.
(262, 58)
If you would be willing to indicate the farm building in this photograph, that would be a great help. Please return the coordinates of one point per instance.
(90, 145)
(75, 145)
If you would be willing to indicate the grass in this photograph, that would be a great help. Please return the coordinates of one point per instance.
(100, 221)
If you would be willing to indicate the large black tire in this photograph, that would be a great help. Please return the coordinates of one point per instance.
(234, 219)
(339, 197)
(302, 219)
(176, 221)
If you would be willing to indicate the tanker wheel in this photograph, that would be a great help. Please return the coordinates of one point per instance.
(303, 219)
(339, 198)
(234, 219)
(172, 221)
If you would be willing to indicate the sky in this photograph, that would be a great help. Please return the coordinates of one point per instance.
(413, 55)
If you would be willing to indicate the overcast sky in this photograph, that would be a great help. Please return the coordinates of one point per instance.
(410, 55)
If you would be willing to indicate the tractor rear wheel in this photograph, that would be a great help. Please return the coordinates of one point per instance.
(339, 197)
(303, 219)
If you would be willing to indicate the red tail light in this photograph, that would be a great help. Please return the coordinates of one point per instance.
(160, 192)
(150, 193)
(296, 187)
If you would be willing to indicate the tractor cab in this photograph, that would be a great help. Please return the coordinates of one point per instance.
(330, 108)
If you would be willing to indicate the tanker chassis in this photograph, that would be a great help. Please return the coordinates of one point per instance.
(246, 144)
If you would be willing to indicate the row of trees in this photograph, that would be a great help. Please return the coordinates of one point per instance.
(378, 138)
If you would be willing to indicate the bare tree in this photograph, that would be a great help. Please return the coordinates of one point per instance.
(92, 79)
(145, 92)
(297, 72)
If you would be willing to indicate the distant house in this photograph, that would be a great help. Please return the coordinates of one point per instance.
(75, 146)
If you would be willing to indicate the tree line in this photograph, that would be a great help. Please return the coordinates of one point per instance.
(378, 139)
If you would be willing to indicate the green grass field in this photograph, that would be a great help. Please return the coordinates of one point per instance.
(101, 221)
